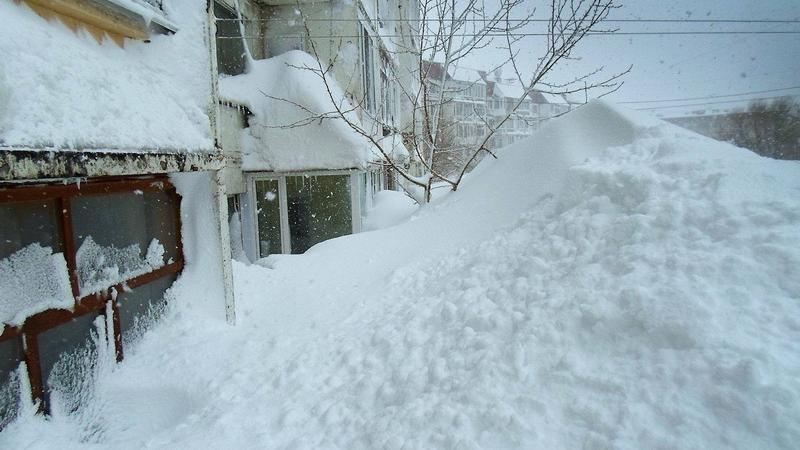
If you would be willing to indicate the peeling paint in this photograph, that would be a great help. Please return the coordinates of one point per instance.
(27, 164)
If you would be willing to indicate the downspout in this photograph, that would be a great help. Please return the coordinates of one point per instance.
(219, 193)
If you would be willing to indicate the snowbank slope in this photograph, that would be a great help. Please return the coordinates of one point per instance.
(611, 282)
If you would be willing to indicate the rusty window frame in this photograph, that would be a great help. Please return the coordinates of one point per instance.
(38, 323)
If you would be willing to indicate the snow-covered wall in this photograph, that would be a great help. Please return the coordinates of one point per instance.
(60, 89)
(201, 285)
(283, 134)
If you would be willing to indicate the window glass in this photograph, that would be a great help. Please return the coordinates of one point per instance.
(122, 235)
(31, 281)
(141, 306)
(161, 222)
(362, 193)
(269, 217)
(376, 181)
(24, 223)
(68, 354)
(367, 69)
(319, 209)
(230, 46)
(10, 357)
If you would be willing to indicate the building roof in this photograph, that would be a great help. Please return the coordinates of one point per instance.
(435, 70)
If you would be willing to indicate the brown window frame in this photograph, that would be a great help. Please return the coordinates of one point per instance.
(34, 325)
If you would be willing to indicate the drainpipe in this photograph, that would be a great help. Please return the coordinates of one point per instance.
(220, 194)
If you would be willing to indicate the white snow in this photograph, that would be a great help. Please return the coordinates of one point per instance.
(393, 146)
(100, 267)
(33, 280)
(60, 89)
(390, 208)
(611, 282)
(283, 135)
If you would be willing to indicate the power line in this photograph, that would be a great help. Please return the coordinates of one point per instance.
(712, 103)
(591, 33)
(340, 19)
(713, 96)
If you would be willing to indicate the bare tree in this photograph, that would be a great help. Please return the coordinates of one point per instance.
(769, 129)
(448, 31)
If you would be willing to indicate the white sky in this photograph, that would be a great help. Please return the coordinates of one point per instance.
(670, 66)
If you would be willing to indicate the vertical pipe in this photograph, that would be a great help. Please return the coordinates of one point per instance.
(221, 209)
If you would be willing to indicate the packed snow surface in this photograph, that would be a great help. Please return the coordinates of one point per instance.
(294, 124)
(611, 282)
(146, 96)
(33, 280)
(99, 266)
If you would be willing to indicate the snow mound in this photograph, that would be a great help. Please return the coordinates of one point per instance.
(612, 282)
(391, 208)
(147, 96)
(284, 96)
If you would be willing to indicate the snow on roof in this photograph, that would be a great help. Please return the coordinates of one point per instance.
(393, 145)
(61, 89)
(515, 90)
(466, 74)
(553, 98)
(271, 143)
(510, 90)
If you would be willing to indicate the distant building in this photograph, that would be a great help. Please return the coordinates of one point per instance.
(473, 101)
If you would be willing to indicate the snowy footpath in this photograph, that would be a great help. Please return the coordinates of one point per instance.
(612, 282)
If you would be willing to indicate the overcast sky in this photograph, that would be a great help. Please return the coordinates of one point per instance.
(670, 66)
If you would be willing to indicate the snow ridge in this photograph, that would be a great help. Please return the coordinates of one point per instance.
(645, 307)
(611, 282)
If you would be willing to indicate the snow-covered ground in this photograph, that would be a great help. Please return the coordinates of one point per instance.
(612, 282)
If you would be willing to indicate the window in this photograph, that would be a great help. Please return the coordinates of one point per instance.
(388, 93)
(319, 208)
(73, 259)
(279, 45)
(296, 212)
(367, 70)
(229, 41)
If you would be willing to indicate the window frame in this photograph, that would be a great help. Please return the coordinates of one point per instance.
(286, 238)
(367, 59)
(97, 302)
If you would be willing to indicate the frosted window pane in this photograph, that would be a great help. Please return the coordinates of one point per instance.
(122, 235)
(33, 280)
(23, 223)
(101, 267)
(10, 357)
(67, 353)
(161, 222)
(141, 306)
(319, 209)
(269, 215)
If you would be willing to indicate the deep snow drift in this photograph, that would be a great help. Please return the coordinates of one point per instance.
(610, 282)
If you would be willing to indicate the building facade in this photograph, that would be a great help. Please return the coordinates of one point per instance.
(305, 180)
(107, 145)
(473, 101)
